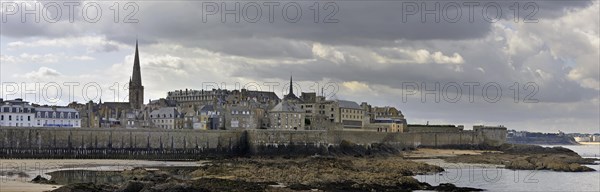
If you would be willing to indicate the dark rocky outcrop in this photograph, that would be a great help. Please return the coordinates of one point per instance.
(451, 187)
(529, 157)
(325, 173)
(41, 180)
(282, 174)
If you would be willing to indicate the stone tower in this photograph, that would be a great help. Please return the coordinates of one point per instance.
(136, 90)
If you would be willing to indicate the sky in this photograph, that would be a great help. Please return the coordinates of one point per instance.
(527, 65)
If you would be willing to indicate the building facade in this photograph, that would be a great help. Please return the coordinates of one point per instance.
(16, 113)
(57, 117)
(350, 114)
(386, 125)
(167, 118)
(286, 115)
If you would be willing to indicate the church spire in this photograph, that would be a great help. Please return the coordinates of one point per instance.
(290, 95)
(136, 89)
(291, 86)
(137, 76)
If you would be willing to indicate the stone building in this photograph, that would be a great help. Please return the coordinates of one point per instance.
(160, 103)
(387, 112)
(286, 115)
(386, 125)
(167, 118)
(91, 117)
(350, 114)
(209, 118)
(113, 114)
(320, 114)
(194, 98)
(240, 117)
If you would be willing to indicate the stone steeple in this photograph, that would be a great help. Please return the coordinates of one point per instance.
(136, 90)
(291, 95)
(291, 86)
(137, 75)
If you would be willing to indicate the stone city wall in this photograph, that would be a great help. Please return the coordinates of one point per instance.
(19, 142)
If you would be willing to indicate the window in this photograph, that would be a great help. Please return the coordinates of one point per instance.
(28, 118)
(2, 117)
(10, 117)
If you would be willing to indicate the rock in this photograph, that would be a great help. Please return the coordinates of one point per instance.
(174, 187)
(85, 187)
(41, 180)
(529, 157)
(325, 173)
(157, 177)
(133, 186)
(452, 187)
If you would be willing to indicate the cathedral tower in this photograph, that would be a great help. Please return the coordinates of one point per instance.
(136, 90)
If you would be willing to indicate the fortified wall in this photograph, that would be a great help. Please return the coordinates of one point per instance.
(19, 142)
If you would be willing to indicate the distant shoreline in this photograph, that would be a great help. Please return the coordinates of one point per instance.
(589, 143)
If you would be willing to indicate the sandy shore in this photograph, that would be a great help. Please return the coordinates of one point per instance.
(425, 153)
(34, 167)
(20, 186)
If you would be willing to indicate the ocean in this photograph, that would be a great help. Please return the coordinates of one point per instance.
(493, 178)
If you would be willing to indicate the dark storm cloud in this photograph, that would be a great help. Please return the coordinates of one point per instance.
(359, 23)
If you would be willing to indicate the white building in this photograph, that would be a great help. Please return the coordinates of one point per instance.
(56, 117)
(16, 113)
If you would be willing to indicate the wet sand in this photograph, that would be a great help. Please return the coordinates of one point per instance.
(21, 186)
(34, 167)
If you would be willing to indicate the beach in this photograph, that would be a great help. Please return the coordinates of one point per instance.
(24, 170)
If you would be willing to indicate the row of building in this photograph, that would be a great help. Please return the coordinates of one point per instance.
(209, 109)
(19, 113)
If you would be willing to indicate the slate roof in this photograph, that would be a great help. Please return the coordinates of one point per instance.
(348, 104)
(286, 106)
(165, 112)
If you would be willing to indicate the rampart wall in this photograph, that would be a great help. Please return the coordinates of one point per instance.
(19, 142)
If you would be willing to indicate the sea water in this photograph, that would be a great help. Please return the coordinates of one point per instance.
(497, 178)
